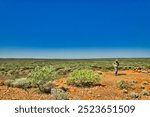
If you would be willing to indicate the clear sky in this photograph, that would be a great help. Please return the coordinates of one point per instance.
(74, 28)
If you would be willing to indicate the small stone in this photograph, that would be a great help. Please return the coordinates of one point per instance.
(98, 95)
(75, 98)
(99, 72)
(145, 83)
(145, 93)
(72, 90)
(144, 71)
(125, 91)
(134, 95)
(142, 87)
(64, 87)
(126, 98)
(134, 81)
(90, 92)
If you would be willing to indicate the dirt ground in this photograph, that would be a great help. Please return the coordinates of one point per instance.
(106, 89)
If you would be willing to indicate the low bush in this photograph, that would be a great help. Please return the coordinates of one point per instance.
(42, 74)
(122, 84)
(46, 88)
(83, 78)
(21, 83)
(58, 94)
(8, 82)
(62, 72)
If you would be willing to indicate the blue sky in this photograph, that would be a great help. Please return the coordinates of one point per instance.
(74, 28)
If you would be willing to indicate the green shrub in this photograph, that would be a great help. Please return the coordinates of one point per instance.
(58, 94)
(46, 88)
(21, 83)
(42, 74)
(122, 84)
(83, 78)
(8, 82)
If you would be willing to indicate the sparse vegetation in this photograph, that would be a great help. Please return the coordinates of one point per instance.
(96, 81)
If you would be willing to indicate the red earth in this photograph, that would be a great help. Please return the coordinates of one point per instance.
(106, 89)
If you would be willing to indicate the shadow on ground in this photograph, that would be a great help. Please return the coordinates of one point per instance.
(121, 74)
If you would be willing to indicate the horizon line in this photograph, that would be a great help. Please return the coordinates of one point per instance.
(38, 58)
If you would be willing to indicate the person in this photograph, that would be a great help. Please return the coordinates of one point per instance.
(116, 65)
